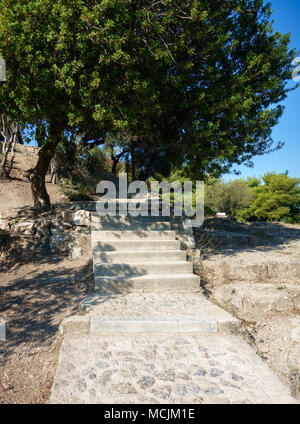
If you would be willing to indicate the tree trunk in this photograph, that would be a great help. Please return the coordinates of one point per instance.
(14, 128)
(37, 175)
(53, 172)
(114, 166)
(9, 134)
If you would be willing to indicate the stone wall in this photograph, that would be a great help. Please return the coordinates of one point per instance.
(67, 232)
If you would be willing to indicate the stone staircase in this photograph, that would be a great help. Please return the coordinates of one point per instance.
(144, 258)
(149, 335)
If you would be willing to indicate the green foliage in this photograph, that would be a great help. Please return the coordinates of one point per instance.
(231, 197)
(78, 181)
(253, 182)
(277, 199)
(198, 81)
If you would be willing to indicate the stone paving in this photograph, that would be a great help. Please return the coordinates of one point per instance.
(104, 360)
(154, 368)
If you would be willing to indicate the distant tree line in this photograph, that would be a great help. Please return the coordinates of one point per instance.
(274, 197)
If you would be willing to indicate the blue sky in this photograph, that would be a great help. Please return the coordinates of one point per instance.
(286, 18)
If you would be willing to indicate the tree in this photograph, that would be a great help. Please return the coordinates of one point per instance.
(230, 197)
(9, 133)
(253, 182)
(278, 198)
(201, 78)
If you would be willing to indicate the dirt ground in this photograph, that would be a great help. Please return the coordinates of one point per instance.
(36, 293)
(16, 194)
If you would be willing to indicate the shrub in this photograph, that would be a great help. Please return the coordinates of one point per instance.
(231, 197)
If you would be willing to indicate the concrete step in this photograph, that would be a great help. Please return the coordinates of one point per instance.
(141, 268)
(131, 226)
(132, 235)
(144, 256)
(97, 219)
(126, 245)
(147, 284)
(150, 313)
(100, 326)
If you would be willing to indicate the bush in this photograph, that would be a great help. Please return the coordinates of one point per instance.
(277, 199)
(232, 197)
(76, 192)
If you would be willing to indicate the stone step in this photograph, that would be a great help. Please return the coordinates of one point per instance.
(125, 245)
(147, 284)
(97, 219)
(150, 313)
(144, 256)
(141, 268)
(131, 226)
(101, 326)
(132, 235)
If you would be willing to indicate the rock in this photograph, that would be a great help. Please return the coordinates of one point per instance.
(148, 367)
(254, 301)
(168, 375)
(57, 242)
(214, 391)
(181, 390)
(75, 249)
(162, 392)
(3, 224)
(182, 376)
(236, 377)
(122, 388)
(193, 389)
(200, 371)
(67, 217)
(101, 364)
(88, 371)
(58, 225)
(44, 226)
(82, 230)
(105, 377)
(215, 372)
(58, 235)
(82, 218)
(26, 228)
(81, 385)
(146, 382)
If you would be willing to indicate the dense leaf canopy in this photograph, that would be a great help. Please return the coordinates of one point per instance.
(199, 79)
